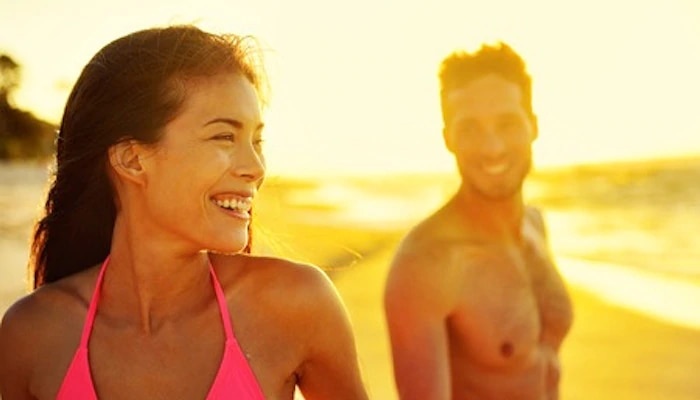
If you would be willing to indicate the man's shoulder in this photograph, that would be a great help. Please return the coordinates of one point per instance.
(433, 261)
(429, 268)
(438, 238)
(422, 244)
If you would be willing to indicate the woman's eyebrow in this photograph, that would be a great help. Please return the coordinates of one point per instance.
(229, 121)
(234, 123)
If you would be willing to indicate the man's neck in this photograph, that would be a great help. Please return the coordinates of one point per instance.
(497, 217)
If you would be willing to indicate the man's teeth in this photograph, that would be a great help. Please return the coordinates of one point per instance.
(495, 169)
(235, 204)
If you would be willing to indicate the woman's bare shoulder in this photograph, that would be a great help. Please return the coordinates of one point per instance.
(273, 271)
(50, 308)
(40, 331)
(283, 282)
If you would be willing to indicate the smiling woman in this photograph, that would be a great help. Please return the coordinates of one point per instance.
(141, 261)
(222, 116)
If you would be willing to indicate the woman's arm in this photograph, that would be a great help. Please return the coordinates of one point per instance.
(331, 369)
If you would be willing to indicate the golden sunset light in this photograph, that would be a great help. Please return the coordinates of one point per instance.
(355, 161)
(354, 86)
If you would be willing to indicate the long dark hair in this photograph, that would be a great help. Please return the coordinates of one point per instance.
(129, 90)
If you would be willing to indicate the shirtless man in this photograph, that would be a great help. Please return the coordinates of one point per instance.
(475, 306)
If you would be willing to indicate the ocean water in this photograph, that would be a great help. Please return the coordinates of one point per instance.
(645, 215)
(641, 214)
(21, 193)
(611, 226)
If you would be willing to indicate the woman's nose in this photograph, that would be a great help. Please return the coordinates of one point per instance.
(249, 163)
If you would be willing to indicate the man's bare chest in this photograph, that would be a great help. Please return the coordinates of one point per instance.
(512, 302)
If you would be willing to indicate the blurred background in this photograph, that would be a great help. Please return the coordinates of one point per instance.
(356, 157)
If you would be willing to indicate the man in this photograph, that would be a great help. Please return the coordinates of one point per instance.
(475, 306)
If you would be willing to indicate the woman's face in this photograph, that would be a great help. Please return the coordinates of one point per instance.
(203, 174)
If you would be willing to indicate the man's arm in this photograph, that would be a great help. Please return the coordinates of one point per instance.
(416, 307)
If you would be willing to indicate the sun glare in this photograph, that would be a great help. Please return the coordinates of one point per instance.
(354, 87)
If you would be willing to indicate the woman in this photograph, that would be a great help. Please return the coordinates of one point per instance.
(143, 286)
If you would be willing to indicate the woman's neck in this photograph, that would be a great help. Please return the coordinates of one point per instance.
(151, 280)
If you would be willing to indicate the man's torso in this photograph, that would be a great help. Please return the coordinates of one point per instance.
(511, 314)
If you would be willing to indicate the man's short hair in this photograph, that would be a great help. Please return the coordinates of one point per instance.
(460, 68)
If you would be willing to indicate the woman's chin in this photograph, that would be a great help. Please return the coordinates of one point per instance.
(233, 246)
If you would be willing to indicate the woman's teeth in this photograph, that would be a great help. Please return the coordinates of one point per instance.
(235, 204)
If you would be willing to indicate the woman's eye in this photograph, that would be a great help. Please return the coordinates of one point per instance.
(225, 136)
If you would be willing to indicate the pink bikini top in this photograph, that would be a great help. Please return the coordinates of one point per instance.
(234, 380)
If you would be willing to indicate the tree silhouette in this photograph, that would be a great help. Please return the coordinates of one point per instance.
(22, 135)
(10, 75)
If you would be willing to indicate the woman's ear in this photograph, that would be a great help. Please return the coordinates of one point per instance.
(125, 159)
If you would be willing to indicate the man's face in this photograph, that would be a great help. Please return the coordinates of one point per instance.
(490, 134)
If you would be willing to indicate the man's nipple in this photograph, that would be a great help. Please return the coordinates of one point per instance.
(507, 349)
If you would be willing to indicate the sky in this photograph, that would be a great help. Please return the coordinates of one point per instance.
(354, 83)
